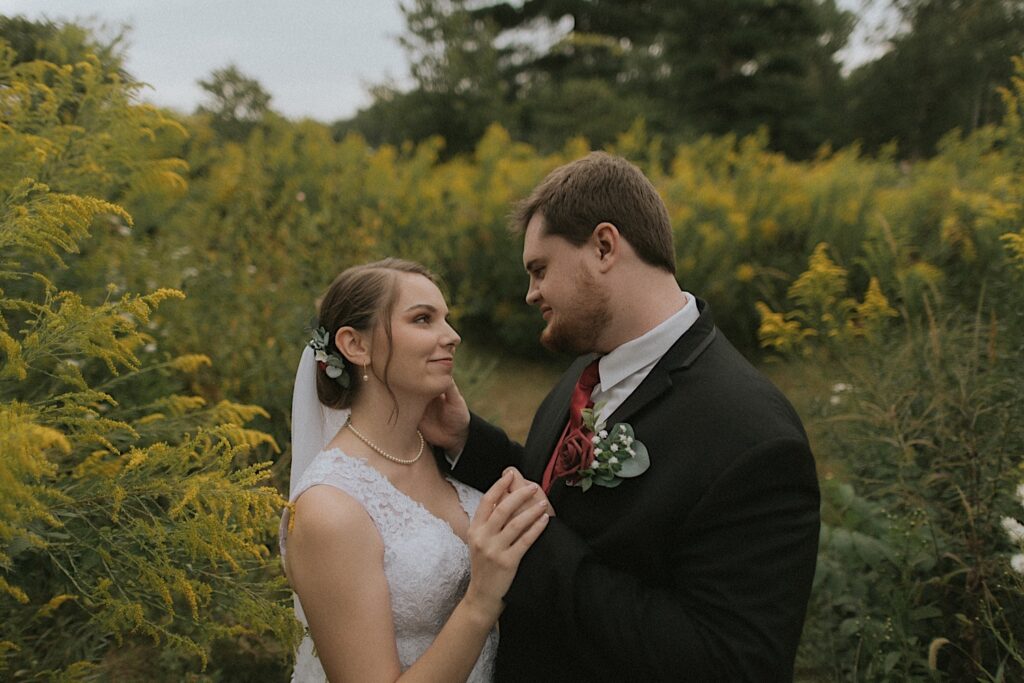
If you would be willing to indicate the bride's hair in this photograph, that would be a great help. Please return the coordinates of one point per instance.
(360, 297)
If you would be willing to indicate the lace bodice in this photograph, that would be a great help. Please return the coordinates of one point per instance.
(425, 563)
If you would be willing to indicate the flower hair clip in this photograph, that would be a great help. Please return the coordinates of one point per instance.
(330, 362)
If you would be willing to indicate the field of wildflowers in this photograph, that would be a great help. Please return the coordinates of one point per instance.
(156, 281)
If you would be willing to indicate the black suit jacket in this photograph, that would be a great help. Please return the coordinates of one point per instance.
(699, 569)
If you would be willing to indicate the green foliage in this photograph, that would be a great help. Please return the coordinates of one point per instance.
(931, 434)
(548, 71)
(63, 43)
(870, 616)
(269, 220)
(584, 107)
(738, 66)
(943, 72)
(905, 280)
(458, 89)
(237, 103)
(823, 311)
(131, 517)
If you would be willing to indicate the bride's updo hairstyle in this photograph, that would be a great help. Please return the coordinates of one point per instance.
(360, 297)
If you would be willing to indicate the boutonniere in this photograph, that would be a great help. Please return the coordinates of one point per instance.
(616, 453)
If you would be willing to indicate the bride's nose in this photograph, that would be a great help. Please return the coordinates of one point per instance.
(452, 339)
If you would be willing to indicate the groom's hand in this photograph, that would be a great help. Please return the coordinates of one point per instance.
(445, 422)
(518, 482)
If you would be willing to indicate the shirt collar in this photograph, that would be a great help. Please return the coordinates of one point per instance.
(648, 348)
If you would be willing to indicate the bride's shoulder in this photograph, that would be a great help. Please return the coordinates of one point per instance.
(327, 501)
(331, 465)
(327, 514)
(333, 549)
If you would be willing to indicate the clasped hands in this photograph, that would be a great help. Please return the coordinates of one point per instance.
(511, 515)
(516, 482)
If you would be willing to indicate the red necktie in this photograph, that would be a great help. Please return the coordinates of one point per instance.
(580, 400)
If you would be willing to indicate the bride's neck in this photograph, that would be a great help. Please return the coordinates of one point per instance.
(390, 423)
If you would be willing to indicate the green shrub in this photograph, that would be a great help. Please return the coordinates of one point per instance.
(132, 516)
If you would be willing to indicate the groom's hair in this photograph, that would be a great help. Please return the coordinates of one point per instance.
(573, 199)
(361, 297)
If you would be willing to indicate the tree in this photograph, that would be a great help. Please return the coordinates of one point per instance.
(237, 103)
(694, 67)
(63, 43)
(736, 66)
(943, 71)
(457, 91)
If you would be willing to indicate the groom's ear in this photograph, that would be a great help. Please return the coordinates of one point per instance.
(606, 243)
(353, 345)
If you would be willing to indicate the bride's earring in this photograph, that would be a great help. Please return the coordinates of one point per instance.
(366, 376)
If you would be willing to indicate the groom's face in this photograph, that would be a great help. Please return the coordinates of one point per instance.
(561, 285)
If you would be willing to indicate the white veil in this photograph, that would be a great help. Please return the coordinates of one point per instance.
(313, 423)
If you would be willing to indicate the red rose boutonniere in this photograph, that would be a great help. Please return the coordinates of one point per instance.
(593, 455)
(575, 455)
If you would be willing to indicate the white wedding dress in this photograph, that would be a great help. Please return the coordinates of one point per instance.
(425, 563)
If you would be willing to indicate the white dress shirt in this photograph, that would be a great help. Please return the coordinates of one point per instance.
(622, 370)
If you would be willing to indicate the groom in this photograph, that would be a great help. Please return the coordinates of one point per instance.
(697, 568)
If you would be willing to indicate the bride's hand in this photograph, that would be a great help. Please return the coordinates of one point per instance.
(445, 422)
(498, 539)
(519, 481)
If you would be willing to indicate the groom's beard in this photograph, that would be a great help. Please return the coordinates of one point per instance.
(577, 325)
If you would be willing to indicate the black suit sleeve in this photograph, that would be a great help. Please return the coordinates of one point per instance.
(487, 453)
(742, 571)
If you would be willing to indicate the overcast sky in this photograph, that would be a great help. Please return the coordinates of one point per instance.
(317, 58)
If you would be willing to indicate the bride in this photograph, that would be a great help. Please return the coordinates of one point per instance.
(399, 571)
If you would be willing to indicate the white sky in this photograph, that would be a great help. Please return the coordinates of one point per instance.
(317, 58)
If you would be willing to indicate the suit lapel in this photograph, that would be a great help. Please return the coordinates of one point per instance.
(681, 355)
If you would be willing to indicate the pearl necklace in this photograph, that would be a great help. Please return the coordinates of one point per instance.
(381, 451)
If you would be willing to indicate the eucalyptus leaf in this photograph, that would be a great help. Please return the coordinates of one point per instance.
(638, 463)
(589, 417)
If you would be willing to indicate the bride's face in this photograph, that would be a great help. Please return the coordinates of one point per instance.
(422, 342)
